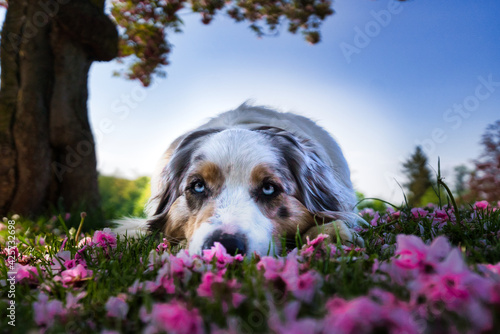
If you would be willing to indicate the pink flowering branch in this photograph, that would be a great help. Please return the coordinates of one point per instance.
(145, 25)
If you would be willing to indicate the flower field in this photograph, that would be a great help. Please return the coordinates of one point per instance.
(423, 270)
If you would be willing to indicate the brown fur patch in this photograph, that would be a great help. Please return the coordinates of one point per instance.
(197, 219)
(299, 217)
(177, 217)
(211, 174)
(260, 173)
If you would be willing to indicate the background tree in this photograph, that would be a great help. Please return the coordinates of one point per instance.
(484, 182)
(121, 197)
(461, 175)
(419, 176)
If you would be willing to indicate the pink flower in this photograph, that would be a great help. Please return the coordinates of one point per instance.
(481, 205)
(45, 311)
(26, 273)
(72, 302)
(458, 289)
(302, 286)
(10, 251)
(173, 318)
(117, 307)
(290, 324)
(442, 217)
(220, 254)
(136, 287)
(271, 266)
(307, 284)
(205, 288)
(414, 254)
(85, 241)
(214, 286)
(419, 213)
(75, 275)
(374, 221)
(366, 315)
(318, 241)
(162, 246)
(104, 238)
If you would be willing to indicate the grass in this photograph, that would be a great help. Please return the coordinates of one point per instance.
(128, 285)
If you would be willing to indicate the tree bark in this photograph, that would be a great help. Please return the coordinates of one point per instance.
(52, 158)
(9, 89)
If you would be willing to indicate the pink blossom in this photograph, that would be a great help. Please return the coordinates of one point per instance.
(136, 287)
(205, 288)
(442, 217)
(220, 254)
(459, 289)
(165, 281)
(290, 324)
(104, 238)
(11, 251)
(494, 268)
(46, 311)
(481, 205)
(59, 260)
(365, 315)
(419, 213)
(84, 241)
(307, 284)
(162, 246)
(214, 286)
(393, 215)
(75, 275)
(318, 241)
(374, 221)
(414, 254)
(117, 307)
(72, 301)
(173, 318)
(271, 266)
(25, 273)
(411, 250)
(301, 286)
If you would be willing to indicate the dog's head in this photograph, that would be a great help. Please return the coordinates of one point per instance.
(245, 188)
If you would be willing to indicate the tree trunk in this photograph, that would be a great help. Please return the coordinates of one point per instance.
(48, 155)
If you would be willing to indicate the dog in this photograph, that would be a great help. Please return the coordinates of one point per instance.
(247, 178)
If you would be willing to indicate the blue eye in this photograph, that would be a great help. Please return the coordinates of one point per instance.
(268, 189)
(199, 187)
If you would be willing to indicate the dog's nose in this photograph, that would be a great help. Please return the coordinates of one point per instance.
(233, 244)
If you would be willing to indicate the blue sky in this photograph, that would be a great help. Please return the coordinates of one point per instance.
(404, 84)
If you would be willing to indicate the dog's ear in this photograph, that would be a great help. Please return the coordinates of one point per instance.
(173, 175)
(319, 186)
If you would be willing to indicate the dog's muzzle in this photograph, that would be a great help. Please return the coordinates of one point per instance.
(233, 243)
